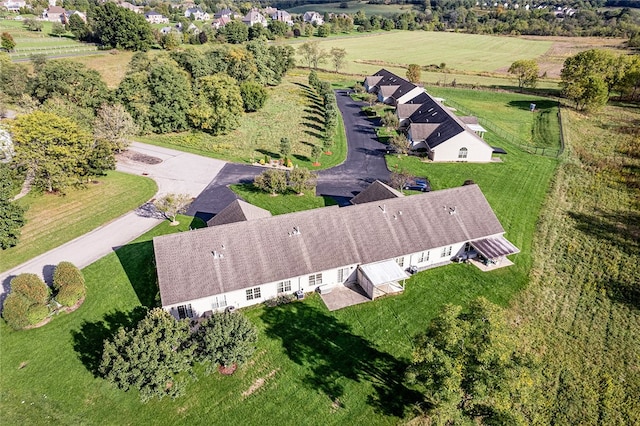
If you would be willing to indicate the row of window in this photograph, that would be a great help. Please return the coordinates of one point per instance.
(424, 256)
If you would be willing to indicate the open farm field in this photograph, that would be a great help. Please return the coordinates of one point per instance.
(464, 52)
(53, 220)
(112, 65)
(581, 310)
(353, 7)
(291, 111)
(343, 367)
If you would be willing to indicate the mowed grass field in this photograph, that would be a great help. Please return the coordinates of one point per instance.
(53, 220)
(292, 110)
(464, 52)
(311, 367)
(509, 112)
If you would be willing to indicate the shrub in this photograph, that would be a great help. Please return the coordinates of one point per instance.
(281, 299)
(67, 274)
(32, 287)
(69, 282)
(15, 311)
(36, 313)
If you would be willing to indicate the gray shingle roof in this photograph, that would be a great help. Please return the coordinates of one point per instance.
(267, 250)
(238, 211)
(377, 191)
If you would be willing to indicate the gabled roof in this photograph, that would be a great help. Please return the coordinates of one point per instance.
(55, 9)
(388, 91)
(377, 191)
(406, 110)
(238, 211)
(432, 113)
(153, 13)
(209, 261)
(253, 16)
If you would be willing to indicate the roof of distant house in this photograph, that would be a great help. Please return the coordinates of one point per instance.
(377, 191)
(238, 211)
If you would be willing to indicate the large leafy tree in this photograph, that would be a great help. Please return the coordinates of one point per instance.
(413, 73)
(54, 149)
(470, 368)
(218, 106)
(114, 124)
(261, 56)
(71, 81)
(225, 339)
(589, 76)
(235, 32)
(282, 60)
(7, 42)
(150, 357)
(526, 71)
(11, 214)
(253, 96)
(312, 53)
(121, 28)
(14, 77)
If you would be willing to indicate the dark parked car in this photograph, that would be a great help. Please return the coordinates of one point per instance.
(418, 185)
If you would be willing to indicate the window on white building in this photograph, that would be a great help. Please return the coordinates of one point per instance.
(446, 251)
(463, 153)
(400, 261)
(343, 274)
(185, 311)
(253, 293)
(315, 279)
(284, 286)
(219, 302)
(423, 257)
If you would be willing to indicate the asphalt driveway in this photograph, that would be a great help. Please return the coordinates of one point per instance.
(365, 156)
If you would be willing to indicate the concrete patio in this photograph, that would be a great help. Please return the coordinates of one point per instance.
(342, 296)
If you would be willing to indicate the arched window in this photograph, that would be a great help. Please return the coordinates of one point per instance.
(463, 153)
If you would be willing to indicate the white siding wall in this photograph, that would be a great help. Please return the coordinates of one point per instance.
(238, 298)
(478, 150)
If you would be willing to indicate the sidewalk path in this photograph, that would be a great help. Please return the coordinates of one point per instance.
(173, 171)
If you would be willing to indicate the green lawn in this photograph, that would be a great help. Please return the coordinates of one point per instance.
(53, 220)
(509, 112)
(282, 203)
(292, 111)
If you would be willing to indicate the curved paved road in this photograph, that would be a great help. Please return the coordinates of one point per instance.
(178, 172)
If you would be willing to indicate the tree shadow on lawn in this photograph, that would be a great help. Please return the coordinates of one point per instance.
(313, 134)
(314, 110)
(312, 125)
(300, 157)
(332, 353)
(88, 342)
(268, 153)
(541, 104)
(138, 263)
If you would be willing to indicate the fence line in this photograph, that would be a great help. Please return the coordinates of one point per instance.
(510, 137)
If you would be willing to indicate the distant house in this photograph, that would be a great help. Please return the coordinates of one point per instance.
(197, 14)
(312, 17)
(225, 13)
(268, 11)
(218, 23)
(154, 17)
(254, 17)
(245, 262)
(282, 16)
(131, 7)
(428, 124)
(14, 5)
(53, 14)
(69, 13)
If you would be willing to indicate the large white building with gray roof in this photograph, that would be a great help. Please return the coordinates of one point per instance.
(371, 244)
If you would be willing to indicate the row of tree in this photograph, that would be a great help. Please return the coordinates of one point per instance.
(329, 110)
(30, 300)
(157, 356)
(11, 214)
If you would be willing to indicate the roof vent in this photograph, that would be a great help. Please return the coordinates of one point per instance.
(452, 210)
(296, 231)
(217, 255)
(383, 208)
